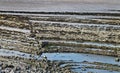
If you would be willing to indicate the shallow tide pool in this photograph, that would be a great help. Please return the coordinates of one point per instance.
(80, 57)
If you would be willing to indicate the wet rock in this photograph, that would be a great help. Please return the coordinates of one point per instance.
(44, 44)
(83, 69)
(33, 35)
(0, 47)
(67, 71)
(3, 72)
(44, 59)
(4, 66)
(10, 66)
(17, 72)
(7, 70)
(28, 67)
(27, 71)
(90, 72)
(17, 68)
(117, 59)
(12, 71)
(1, 64)
(23, 54)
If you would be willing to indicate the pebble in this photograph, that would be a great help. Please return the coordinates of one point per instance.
(83, 69)
(1, 64)
(12, 71)
(0, 47)
(28, 67)
(17, 68)
(4, 66)
(117, 59)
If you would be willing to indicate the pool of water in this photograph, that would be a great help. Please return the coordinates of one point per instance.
(80, 57)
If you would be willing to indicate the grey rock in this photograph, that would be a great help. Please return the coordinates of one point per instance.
(1, 64)
(17, 68)
(4, 66)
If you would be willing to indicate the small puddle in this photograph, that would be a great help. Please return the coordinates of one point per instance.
(80, 57)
